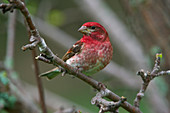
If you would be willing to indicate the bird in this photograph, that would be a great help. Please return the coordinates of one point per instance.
(90, 54)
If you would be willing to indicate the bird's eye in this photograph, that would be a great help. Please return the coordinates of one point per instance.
(93, 27)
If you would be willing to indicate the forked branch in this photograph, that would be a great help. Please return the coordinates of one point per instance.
(147, 77)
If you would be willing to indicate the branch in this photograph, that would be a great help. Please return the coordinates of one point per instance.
(105, 105)
(39, 82)
(147, 77)
(9, 7)
(24, 100)
(101, 12)
(36, 40)
(113, 69)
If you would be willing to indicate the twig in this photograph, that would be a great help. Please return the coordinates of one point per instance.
(18, 4)
(99, 86)
(5, 8)
(39, 83)
(112, 70)
(105, 105)
(14, 84)
(57, 61)
(147, 77)
(38, 79)
(66, 110)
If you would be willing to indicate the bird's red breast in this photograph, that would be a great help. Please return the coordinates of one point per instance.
(90, 54)
(93, 51)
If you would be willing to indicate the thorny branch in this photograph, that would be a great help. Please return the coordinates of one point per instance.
(147, 77)
(51, 58)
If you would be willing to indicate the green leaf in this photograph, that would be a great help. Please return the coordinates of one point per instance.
(11, 101)
(3, 78)
(7, 100)
(4, 95)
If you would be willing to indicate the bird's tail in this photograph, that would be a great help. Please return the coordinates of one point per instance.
(51, 74)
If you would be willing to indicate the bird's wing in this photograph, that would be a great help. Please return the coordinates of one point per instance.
(75, 49)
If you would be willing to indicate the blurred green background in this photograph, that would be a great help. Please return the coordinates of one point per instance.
(138, 30)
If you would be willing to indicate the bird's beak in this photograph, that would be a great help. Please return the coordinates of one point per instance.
(84, 30)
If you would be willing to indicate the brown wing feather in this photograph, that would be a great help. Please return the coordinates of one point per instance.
(75, 49)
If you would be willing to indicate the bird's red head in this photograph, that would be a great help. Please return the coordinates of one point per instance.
(93, 31)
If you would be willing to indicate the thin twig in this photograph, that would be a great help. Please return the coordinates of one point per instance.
(39, 83)
(18, 4)
(147, 77)
(106, 105)
(15, 86)
(38, 79)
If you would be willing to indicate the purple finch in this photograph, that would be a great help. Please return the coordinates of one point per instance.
(90, 54)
